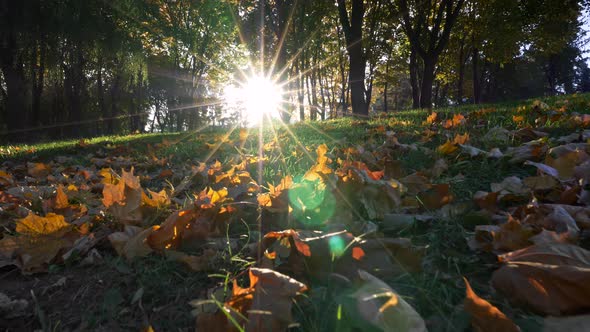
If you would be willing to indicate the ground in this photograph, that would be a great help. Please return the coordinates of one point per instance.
(114, 293)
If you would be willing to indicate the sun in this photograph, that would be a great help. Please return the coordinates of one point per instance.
(257, 97)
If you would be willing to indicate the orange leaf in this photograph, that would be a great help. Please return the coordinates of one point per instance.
(518, 118)
(61, 199)
(358, 253)
(485, 317)
(461, 139)
(431, 118)
(458, 120)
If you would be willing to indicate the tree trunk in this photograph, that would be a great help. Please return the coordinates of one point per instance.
(38, 81)
(100, 95)
(476, 83)
(461, 73)
(300, 88)
(427, 81)
(414, 82)
(353, 31)
(385, 88)
(12, 67)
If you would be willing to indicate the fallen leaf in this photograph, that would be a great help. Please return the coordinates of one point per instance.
(132, 242)
(272, 300)
(484, 316)
(38, 170)
(447, 148)
(549, 279)
(40, 240)
(379, 305)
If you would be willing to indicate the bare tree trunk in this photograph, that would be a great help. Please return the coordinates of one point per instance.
(427, 81)
(12, 66)
(353, 31)
(461, 72)
(414, 82)
(476, 82)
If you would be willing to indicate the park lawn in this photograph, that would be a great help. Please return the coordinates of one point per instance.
(116, 293)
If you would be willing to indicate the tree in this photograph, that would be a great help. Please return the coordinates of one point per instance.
(428, 26)
(353, 33)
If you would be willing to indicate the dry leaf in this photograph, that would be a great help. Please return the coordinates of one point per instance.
(272, 300)
(484, 316)
(379, 305)
(550, 279)
(132, 242)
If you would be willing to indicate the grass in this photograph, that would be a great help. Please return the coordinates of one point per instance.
(167, 287)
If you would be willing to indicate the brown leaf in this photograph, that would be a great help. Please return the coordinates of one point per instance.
(123, 199)
(549, 279)
(193, 262)
(38, 170)
(484, 316)
(177, 227)
(565, 158)
(132, 242)
(40, 240)
(272, 300)
(436, 197)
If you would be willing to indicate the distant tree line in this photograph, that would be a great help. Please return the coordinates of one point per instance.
(71, 68)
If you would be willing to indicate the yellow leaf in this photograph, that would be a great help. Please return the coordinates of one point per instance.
(156, 199)
(34, 225)
(447, 148)
(243, 134)
(107, 176)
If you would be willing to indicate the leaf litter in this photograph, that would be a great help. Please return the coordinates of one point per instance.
(342, 227)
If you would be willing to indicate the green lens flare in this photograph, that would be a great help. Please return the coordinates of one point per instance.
(312, 204)
(337, 246)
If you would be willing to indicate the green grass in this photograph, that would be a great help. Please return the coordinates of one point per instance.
(436, 293)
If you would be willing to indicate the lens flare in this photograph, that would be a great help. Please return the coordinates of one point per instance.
(257, 97)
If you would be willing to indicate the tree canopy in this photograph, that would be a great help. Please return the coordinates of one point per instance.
(82, 68)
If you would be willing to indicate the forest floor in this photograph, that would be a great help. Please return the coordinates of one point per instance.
(157, 230)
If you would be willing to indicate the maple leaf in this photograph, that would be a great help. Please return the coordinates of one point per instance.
(124, 198)
(486, 317)
(263, 306)
(272, 300)
(431, 118)
(40, 240)
(180, 227)
(321, 167)
(461, 139)
(156, 200)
